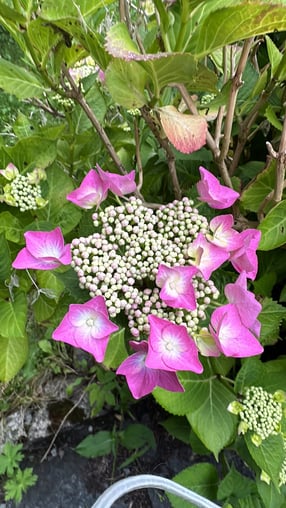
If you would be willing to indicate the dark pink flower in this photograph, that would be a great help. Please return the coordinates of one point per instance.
(87, 326)
(177, 288)
(246, 304)
(244, 259)
(232, 337)
(222, 234)
(45, 250)
(206, 256)
(91, 192)
(118, 184)
(213, 193)
(171, 347)
(142, 379)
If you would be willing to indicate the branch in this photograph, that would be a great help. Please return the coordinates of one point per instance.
(137, 153)
(164, 143)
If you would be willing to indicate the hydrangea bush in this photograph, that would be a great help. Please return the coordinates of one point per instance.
(139, 224)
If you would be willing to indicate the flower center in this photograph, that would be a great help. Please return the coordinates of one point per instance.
(90, 322)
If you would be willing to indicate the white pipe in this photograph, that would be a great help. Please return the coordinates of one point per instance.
(145, 481)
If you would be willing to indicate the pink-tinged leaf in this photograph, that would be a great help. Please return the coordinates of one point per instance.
(186, 132)
(120, 45)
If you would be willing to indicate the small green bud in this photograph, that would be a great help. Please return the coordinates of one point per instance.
(256, 439)
(235, 407)
(264, 477)
(279, 396)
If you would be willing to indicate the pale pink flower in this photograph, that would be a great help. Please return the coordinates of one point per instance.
(213, 193)
(246, 304)
(232, 337)
(177, 288)
(45, 250)
(118, 184)
(91, 192)
(244, 259)
(87, 326)
(206, 256)
(171, 347)
(222, 234)
(140, 378)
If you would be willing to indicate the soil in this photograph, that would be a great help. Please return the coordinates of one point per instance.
(68, 480)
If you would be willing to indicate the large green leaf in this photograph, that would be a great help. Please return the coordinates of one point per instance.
(11, 227)
(126, 82)
(201, 478)
(269, 455)
(273, 228)
(43, 37)
(13, 316)
(204, 403)
(271, 496)
(18, 81)
(230, 24)
(33, 151)
(270, 317)
(53, 10)
(116, 350)
(235, 484)
(13, 354)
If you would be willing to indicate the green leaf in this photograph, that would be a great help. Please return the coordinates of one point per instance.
(70, 280)
(204, 403)
(126, 83)
(272, 498)
(136, 436)
(274, 375)
(272, 118)
(5, 259)
(11, 228)
(116, 350)
(18, 81)
(270, 317)
(235, 484)
(53, 11)
(48, 280)
(43, 308)
(269, 455)
(274, 55)
(256, 191)
(43, 37)
(33, 151)
(250, 374)
(235, 23)
(178, 427)
(13, 316)
(96, 445)
(273, 227)
(97, 103)
(201, 478)
(13, 354)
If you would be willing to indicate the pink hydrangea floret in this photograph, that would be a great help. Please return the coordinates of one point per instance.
(45, 250)
(246, 304)
(232, 337)
(213, 193)
(120, 185)
(91, 192)
(171, 347)
(177, 288)
(222, 233)
(244, 259)
(87, 326)
(141, 379)
(206, 256)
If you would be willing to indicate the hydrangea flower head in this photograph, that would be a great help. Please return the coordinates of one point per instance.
(118, 184)
(176, 283)
(141, 379)
(45, 250)
(244, 259)
(91, 192)
(171, 347)
(206, 256)
(87, 326)
(232, 337)
(213, 193)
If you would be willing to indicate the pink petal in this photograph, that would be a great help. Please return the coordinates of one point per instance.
(25, 260)
(232, 337)
(244, 259)
(170, 347)
(177, 288)
(213, 193)
(118, 184)
(222, 233)
(91, 192)
(206, 256)
(246, 304)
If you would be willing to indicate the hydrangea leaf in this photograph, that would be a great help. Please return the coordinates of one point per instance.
(272, 498)
(201, 478)
(13, 316)
(257, 190)
(116, 350)
(250, 374)
(53, 11)
(270, 317)
(96, 445)
(5, 258)
(269, 455)
(186, 132)
(126, 82)
(235, 24)
(18, 81)
(13, 354)
(235, 484)
(273, 227)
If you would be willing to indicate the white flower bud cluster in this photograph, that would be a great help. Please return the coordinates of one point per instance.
(25, 195)
(260, 413)
(121, 260)
(282, 474)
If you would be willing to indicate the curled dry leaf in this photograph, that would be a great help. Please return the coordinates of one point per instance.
(186, 132)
